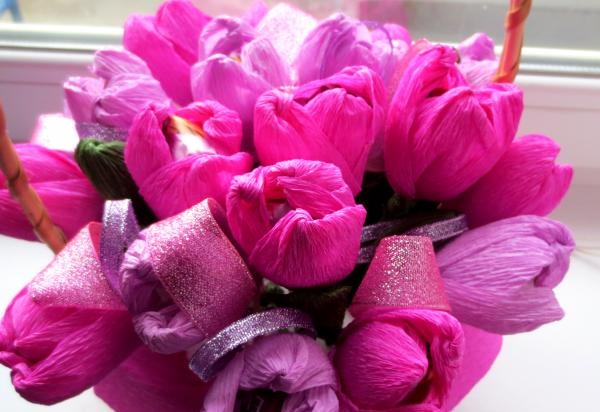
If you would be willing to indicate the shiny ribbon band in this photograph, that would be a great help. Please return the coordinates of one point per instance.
(75, 277)
(436, 231)
(200, 268)
(97, 131)
(403, 274)
(119, 230)
(215, 352)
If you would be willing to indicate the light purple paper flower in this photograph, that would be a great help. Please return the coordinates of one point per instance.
(500, 277)
(478, 62)
(290, 363)
(123, 88)
(341, 41)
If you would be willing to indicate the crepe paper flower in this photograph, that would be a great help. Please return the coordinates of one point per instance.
(180, 159)
(500, 277)
(70, 199)
(287, 363)
(478, 62)
(526, 180)
(398, 359)
(297, 222)
(56, 132)
(168, 43)
(225, 35)
(481, 350)
(124, 87)
(333, 120)
(237, 82)
(442, 135)
(56, 353)
(150, 382)
(341, 41)
(286, 27)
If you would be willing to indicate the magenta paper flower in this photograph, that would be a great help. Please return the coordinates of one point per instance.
(123, 88)
(526, 180)
(500, 277)
(69, 197)
(333, 120)
(168, 43)
(151, 382)
(398, 359)
(66, 330)
(56, 353)
(182, 158)
(441, 134)
(236, 80)
(297, 222)
(341, 41)
(290, 363)
(478, 62)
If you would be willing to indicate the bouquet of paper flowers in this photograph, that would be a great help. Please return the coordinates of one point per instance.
(272, 213)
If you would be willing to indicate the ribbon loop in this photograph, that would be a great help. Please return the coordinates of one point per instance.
(215, 352)
(119, 230)
(403, 274)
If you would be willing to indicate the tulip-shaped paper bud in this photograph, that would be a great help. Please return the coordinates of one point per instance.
(401, 351)
(184, 281)
(526, 180)
(66, 330)
(71, 200)
(168, 43)
(478, 62)
(237, 80)
(341, 41)
(286, 363)
(297, 222)
(124, 88)
(180, 159)
(333, 120)
(442, 135)
(500, 277)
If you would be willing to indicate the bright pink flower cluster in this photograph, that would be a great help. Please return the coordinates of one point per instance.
(282, 120)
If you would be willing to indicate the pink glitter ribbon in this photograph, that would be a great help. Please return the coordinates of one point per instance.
(200, 268)
(403, 274)
(100, 132)
(75, 277)
(213, 355)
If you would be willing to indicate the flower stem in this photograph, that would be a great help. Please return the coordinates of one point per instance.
(513, 41)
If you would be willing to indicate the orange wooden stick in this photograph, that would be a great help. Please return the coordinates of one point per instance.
(513, 41)
(27, 197)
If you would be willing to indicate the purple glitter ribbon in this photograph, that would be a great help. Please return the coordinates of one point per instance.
(119, 230)
(437, 232)
(97, 131)
(213, 355)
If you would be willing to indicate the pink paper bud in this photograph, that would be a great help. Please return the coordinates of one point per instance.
(67, 330)
(526, 180)
(181, 159)
(71, 200)
(478, 62)
(441, 135)
(168, 44)
(500, 277)
(297, 221)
